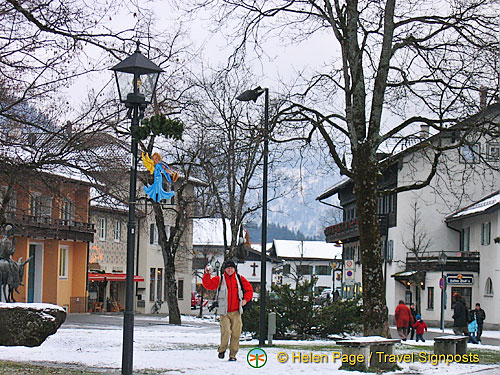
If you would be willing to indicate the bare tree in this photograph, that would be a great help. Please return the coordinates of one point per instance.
(417, 242)
(399, 65)
(232, 135)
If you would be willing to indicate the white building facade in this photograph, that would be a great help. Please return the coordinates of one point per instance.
(467, 175)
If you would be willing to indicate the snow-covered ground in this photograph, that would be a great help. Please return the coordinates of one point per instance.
(191, 349)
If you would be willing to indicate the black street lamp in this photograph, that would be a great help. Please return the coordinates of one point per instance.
(442, 284)
(136, 78)
(252, 95)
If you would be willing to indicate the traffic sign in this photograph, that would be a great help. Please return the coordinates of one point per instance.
(349, 264)
(441, 283)
(349, 275)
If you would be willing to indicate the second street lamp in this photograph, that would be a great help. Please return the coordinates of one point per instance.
(136, 78)
(443, 258)
(252, 95)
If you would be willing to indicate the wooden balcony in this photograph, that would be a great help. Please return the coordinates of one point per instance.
(40, 227)
(455, 262)
(348, 230)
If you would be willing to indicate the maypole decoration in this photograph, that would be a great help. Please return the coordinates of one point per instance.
(157, 168)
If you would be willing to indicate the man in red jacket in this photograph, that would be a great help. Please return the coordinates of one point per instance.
(403, 319)
(234, 293)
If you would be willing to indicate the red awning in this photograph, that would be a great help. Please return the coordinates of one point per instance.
(93, 276)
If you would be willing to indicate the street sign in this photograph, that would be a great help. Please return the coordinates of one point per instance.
(349, 275)
(441, 283)
(349, 264)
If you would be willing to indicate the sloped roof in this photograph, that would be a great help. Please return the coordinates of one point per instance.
(306, 249)
(478, 207)
(210, 232)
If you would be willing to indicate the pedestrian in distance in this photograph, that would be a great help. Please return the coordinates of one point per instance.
(233, 292)
(403, 320)
(414, 315)
(480, 316)
(460, 316)
(420, 326)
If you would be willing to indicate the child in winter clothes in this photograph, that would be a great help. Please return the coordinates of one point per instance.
(420, 326)
(472, 331)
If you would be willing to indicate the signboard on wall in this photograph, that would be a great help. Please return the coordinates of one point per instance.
(460, 278)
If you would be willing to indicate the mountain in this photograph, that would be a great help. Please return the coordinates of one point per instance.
(275, 232)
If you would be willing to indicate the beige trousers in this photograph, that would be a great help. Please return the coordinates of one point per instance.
(230, 327)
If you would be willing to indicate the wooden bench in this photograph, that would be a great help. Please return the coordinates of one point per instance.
(368, 347)
(452, 344)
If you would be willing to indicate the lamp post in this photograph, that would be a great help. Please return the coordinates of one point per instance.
(252, 95)
(442, 284)
(136, 78)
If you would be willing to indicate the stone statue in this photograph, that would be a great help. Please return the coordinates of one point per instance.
(11, 273)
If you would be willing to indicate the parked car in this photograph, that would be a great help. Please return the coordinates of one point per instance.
(195, 300)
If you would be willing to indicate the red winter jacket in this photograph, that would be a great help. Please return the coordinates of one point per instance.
(233, 304)
(403, 316)
(420, 326)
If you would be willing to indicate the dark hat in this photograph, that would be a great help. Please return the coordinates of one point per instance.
(229, 263)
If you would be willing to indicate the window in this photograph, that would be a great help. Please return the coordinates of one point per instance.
(430, 298)
(101, 223)
(63, 262)
(180, 289)
(117, 233)
(67, 211)
(390, 250)
(286, 269)
(408, 297)
(153, 234)
(323, 270)
(304, 270)
(470, 153)
(465, 245)
(493, 151)
(488, 290)
(485, 233)
(41, 207)
(464, 292)
(159, 282)
(349, 253)
(152, 276)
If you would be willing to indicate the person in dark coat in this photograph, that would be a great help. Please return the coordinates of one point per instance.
(403, 319)
(480, 316)
(414, 314)
(460, 316)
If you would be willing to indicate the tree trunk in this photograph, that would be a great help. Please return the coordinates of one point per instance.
(174, 314)
(375, 319)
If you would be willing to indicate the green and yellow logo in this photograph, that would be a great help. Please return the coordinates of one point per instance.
(257, 358)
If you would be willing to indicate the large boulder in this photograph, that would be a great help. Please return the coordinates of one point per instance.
(29, 324)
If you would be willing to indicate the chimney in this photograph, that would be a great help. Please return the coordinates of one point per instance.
(483, 95)
(424, 131)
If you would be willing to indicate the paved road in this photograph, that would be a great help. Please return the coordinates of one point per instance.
(431, 334)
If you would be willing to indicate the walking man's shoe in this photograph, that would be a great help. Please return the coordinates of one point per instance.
(221, 355)
(232, 359)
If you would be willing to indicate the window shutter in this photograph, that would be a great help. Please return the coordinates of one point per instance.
(151, 234)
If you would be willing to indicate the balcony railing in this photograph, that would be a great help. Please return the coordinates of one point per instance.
(349, 229)
(49, 228)
(456, 261)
